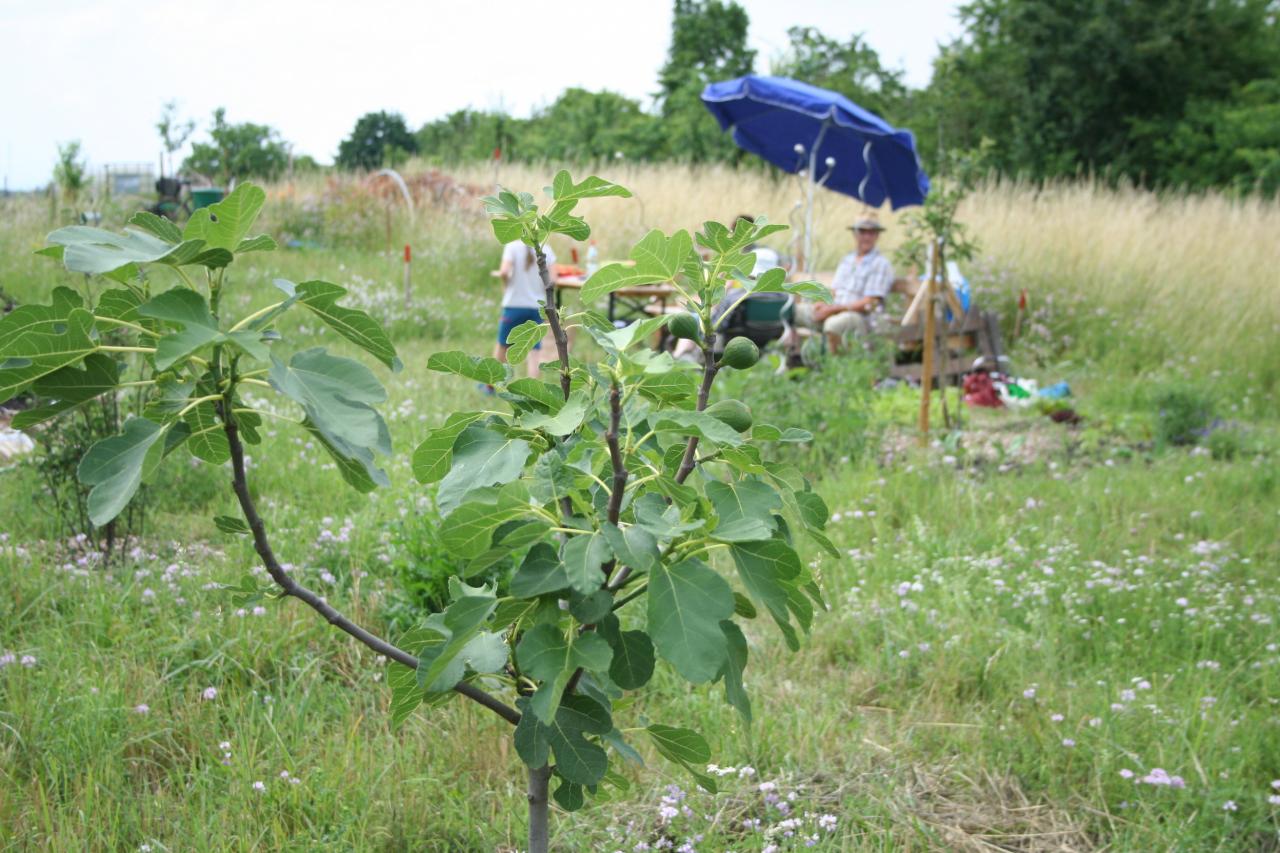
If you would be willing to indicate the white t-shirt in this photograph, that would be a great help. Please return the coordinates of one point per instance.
(524, 289)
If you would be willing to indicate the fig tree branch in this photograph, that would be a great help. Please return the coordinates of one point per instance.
(709, 370)
(553, 318)
(240, 484)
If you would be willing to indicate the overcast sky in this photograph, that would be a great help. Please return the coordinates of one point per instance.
(100, 70)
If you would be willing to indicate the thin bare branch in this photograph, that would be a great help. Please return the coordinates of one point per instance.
(553, 318)
(262, 545)
(615, 453)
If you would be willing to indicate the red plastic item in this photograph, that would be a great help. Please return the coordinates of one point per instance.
(407, 254)
(979, 391)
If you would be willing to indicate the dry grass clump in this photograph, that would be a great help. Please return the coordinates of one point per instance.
(980, 814)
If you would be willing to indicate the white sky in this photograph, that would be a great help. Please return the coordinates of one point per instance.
(101, 71)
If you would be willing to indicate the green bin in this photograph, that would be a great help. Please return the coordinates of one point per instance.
(205, 196)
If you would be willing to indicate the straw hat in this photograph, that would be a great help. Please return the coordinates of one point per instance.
(866, 224)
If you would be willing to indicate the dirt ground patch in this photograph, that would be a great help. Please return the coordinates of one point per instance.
(988, 437)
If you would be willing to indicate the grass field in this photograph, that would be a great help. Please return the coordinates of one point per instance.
(1042, 637)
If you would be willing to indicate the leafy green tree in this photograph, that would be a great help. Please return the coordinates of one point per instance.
(1095, 84)
(613, 484)
(1233, 143)
(69, 171)
(174, 132)
(852, 68)
(582, 126)
(708, 43)
(376, 139)
(469, 135)
(305, 164)
(238, 151)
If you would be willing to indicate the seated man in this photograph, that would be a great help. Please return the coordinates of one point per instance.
(861, 283)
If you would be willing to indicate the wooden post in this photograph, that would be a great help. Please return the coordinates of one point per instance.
(930, 343)
(408, 263)
(944, 335)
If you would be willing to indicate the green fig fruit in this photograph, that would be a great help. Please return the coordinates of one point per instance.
(685, 325)
(740, 354)
(731, 412)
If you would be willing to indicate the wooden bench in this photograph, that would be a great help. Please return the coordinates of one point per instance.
(975, 334)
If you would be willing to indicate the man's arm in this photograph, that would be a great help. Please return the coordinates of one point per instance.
(865, 305)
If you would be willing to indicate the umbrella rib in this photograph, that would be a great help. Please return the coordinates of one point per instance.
(862, 185)
(830, 115)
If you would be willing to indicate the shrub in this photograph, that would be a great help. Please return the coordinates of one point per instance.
(1225, 443)
(1182, 415)
(421, 566)
(62, 444)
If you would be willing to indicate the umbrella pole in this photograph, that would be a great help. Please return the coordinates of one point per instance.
(808, 208)
(808, 211)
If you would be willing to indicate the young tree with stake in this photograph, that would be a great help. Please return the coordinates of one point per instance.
(614, 493)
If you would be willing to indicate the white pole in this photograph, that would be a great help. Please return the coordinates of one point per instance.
(808, 210)
(808, 214)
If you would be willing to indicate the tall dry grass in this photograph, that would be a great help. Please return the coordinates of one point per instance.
(1173, 274)
(1159, 277)
(1202, 267)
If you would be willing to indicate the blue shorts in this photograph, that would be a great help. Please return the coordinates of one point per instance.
(512, 317)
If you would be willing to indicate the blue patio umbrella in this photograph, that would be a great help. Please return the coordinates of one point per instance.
(842, 146)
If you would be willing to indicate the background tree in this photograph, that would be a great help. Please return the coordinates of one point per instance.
(1233, 143)
(1180, 93)
(376, 139)
(1101, 86)
(581, 126)
(69, 171)
(708, 43)
(852, 68)
(174, 132)
(238, 151)
(468, 135)
(304, 164)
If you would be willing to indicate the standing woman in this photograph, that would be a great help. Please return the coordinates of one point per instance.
(522, 293)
